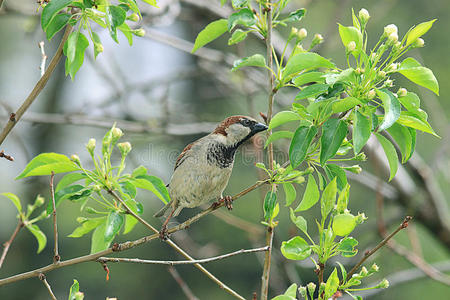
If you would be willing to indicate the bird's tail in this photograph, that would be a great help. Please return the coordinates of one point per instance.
(163, 210)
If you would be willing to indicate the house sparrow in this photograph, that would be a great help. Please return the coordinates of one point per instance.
(204, 167)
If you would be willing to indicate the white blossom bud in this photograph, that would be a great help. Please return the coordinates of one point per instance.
(363, 15)
(383, 284)
(402, 92)
(301, 34)
(419, 43)
(124, 148)
(393, 38)
(351, 46)
(90, 146)
(389, 29)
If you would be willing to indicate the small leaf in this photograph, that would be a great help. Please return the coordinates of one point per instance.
(87, 227)
(333, 133)
(56, 24)
(115, 16)
(126, 30)
(239, 3)
(211, 32)
(411, 102)
(237, 36)
(403, 138)
(128, 188)
(14, 199)
(328, 199)
(74, 289)
(343, 224)
(152, 3)
(391, 154)
(290, 193)
(296, 249)
(312, 91)
(361, 132)
(311, 195)
(113, 224)
(243, 17)
(256, 60)
(351, 34)
(50, 11)
(418, 31)
(301, 140)
(345, 104)
(269, 204)
(332, 284)
(69, 179)
(141, 170)
(305, 61)
(342, 201)
(98, 242)
(153, 184)
(278, 135)
(347, 247)
(295, 15)
(335, 171)
(74, 49)
(39, 235)
(308, 78)
(45, 163)
(299, 221)
(391, 108)
(130, 222)
(419, 75)
(283, 117)
(73, 193)
(410, 120)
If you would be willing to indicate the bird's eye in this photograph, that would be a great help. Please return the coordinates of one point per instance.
(245, 122)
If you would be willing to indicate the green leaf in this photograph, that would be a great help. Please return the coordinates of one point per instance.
(237, 36)
(333, 171)
(98, 241)
(141, 170)
(73, 193)
(343, 224)
(328, 199)
(410, 120)
(98, 47)
(269, 204)
(152, 3)
(345, 104)
(133, 6)
(418, 31)
(87, 226)
(283, 297)
(391, 154)
(308, 78)
(413, 133)
(355, 21)
(74, 49)
(45, 163)
(130, 222)
(347, 247)
(128, 188)
(50, 11)
(126, 30)
(211, 32)
(312, 91)
(39, 235)
(403, 138)
(296, 249)
(342, 201)
(349, 34)
(256, 60)
(74, 289)
(391, 108)
(333, 133)
(113, 224)
(290, 193)
(115, 16)
(243, 17)
(278, 135)
(419, 75)
(332, 284)
(343, 271)
(69, 179)
(412, 103)
(295, 15)
(361, 132)
(304, 61)
(298, 150)
(239, 3)
(56, 24)
(283, 117)
(14, 199)
(153, 184)
(299, 221)
(311, 195)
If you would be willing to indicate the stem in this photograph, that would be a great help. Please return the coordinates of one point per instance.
(49, 289)
(403, 225)
(56, 257)
(7, 244)
(15, 117)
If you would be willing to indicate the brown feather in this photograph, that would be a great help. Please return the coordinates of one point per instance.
(220, 129)
(182, 154)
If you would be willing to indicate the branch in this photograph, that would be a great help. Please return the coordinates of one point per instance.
(44, 58)
(15, 117)
(184, 287)
(6, 156)
(7, 244)
(49, 289)
(180, 262)
(403, 225)
(56, 257)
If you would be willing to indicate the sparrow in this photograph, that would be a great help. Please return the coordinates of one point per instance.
(204, 167)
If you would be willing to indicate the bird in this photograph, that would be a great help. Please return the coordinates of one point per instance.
(203, 168)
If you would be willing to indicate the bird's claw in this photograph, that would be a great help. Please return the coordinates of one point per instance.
(228, 201)
(163, 233)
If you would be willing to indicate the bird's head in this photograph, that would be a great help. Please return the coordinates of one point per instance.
(235, 130)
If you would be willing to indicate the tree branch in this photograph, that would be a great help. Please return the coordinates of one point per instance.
(56, 257)
(49, 289)
(7, 244)
(184, 287)
(15, 117)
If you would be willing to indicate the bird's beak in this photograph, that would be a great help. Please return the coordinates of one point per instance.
(258, 127)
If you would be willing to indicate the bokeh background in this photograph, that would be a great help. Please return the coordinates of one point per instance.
(163, 97)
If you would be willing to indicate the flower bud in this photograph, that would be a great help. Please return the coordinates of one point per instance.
(39, 201)
(351, 46)
(361, 157)
(318, 38)
(384, 284)
(360, 218)
(393, 67)
(139, 32)
(363, 272)
(402, 92)
(308, 170)
(390, 29)
(371, 94)
(301, 34)
(363, 15)
(354, 169)
(293, 33)
(311, 288)
(381, 74)
(393, 38)
(389, 83)
(302, 291)
(322, 288)
(75, 159)
(374, 268)
(82, 219)
(358, 71)
(97, 188)
(90, 146)
(299, 179)
(116, 134)
(134, 17)
(372, 57)
(419, 43)
(124, 148)
(98, 47)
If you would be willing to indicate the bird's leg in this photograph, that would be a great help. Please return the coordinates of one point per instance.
(228, 200)
(163, 234)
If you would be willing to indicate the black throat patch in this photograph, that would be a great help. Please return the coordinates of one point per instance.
(220, 155)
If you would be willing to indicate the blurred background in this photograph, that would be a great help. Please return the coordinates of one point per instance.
(163, 98)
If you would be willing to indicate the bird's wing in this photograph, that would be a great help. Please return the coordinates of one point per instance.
(182, 156)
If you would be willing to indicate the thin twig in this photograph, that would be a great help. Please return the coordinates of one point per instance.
(181, 262)
(44, 58)
(6, 156)
(403, 225)
(14, 118)
(49, 288)
(56, 257)
(7, 244)
(184, 287)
